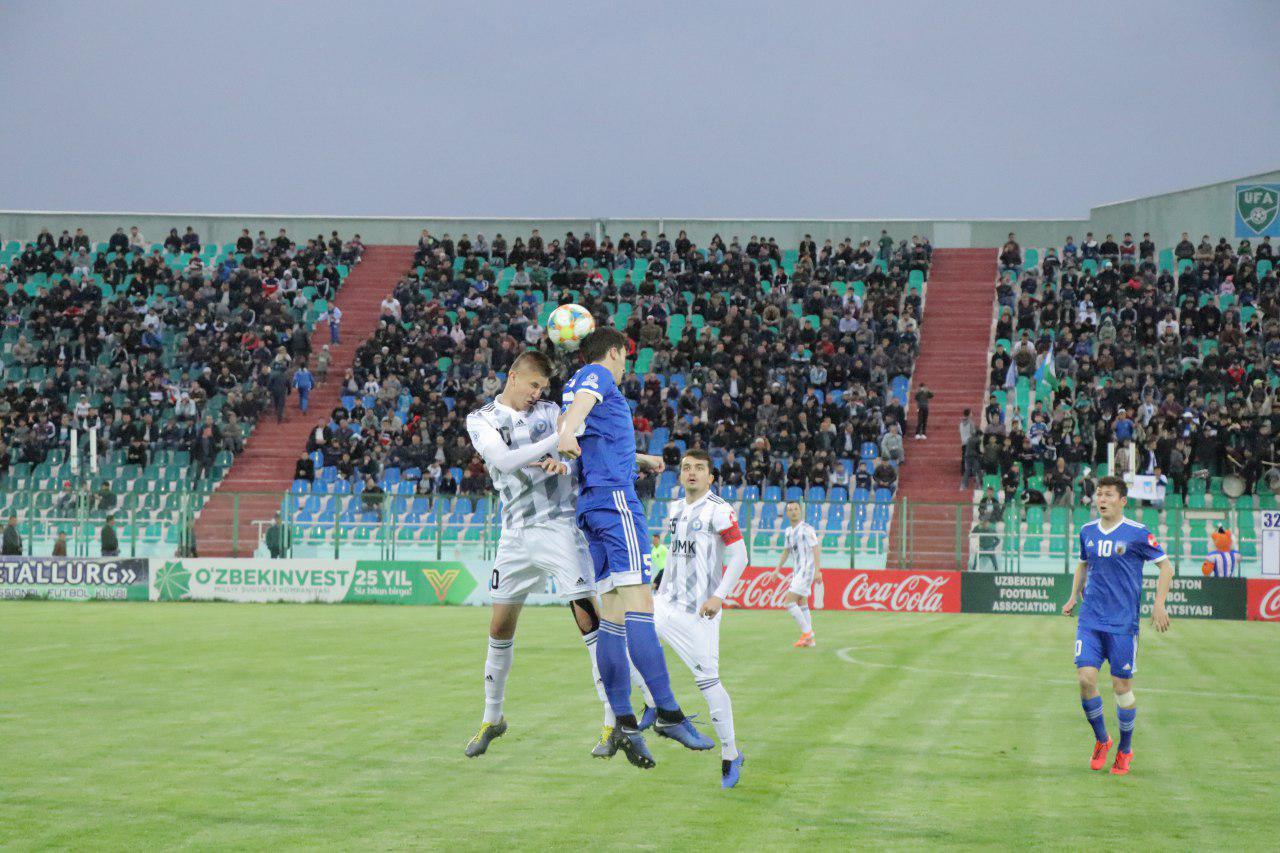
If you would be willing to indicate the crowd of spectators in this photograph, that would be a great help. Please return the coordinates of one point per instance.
(160, 347)
(785, 370)
(1175, 358)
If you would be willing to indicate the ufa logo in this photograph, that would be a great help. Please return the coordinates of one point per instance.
(441, 581)
(1257, 206)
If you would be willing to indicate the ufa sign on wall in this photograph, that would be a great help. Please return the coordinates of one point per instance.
(1257, 206)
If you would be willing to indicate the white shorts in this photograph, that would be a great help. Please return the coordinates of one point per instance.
(528, 556)
(694, 638)
(801, 582)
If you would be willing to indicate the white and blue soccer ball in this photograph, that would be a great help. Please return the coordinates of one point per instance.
(568, 325)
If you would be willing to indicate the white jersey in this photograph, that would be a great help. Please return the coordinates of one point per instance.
(529, 495)
(800, 539)
(695, 561)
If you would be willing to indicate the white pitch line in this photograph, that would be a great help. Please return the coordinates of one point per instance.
(844, 655)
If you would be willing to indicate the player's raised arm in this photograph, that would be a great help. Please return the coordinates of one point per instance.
(571, 421)
(649, 462)
(1082, 572)
(1160, 616)
(495, 452)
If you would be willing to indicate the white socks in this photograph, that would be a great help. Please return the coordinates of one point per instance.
(636, 679)
(721, 715)
(497, 665)
(801, 615)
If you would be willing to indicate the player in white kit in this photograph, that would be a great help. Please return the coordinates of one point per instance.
(706, 559)
(516, 436)
(802, 546)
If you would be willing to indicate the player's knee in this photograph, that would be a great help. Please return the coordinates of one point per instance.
(1124, 693)
(584, 613)
(502, 624)
(1088, 679)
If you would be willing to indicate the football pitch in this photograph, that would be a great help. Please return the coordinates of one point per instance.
(250, 726)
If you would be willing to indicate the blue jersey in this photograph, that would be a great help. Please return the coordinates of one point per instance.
(1113, 587)
(608, 438)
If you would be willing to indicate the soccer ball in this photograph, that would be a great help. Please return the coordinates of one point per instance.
(568, 325)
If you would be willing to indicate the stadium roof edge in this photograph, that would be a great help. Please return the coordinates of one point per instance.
(425, 218)
(1241, 179)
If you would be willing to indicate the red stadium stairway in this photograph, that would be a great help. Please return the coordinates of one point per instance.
(266, 465)
(954, 341)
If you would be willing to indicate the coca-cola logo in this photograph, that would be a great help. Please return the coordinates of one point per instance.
(763, 590)
(913, 593)
(1269, 606)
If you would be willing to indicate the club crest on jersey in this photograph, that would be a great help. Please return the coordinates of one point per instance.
(1120, 549)
(696, 524)
(539, 428)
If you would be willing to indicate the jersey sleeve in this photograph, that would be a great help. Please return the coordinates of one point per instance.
(595, 379)
(810, 537)
(1080, 552)
(495, 452)
(725, 522)
(1146, 546)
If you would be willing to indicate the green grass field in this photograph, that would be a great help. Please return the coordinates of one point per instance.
(252, 726)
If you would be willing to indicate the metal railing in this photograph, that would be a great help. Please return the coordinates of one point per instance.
(897, 534)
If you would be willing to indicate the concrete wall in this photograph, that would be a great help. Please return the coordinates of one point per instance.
(1209, 209)
(1201, 210)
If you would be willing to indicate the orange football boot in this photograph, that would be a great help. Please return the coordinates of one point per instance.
(1100, 750)
(1121, 767)
(806, 641)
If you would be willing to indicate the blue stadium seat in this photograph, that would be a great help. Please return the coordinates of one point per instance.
(794, 493)
(816, 493)
(772, 493)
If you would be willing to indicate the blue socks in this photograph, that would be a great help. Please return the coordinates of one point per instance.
(611, 658)
(1093, 713)
(646, 654)
(1127, 717)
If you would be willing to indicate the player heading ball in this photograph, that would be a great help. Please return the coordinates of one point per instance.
(596, 429)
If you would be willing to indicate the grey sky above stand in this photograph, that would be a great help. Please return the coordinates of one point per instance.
(750, 110)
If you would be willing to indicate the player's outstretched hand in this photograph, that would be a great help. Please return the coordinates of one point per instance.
(568, 446)
(648, 462)
(552, 466)
(710, 607)
(1069, 606)
(1160, 618)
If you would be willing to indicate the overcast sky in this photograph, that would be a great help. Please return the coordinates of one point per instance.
(678, 109)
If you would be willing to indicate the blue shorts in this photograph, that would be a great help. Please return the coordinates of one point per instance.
(1121, 650)
(618, 539)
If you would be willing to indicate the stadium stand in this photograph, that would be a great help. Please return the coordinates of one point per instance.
(810, 409)
(1169, 356)
(166, 348)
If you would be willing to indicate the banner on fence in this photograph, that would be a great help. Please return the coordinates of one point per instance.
(1264, 599)
(1198, 598)
(983, 592)
(300, 580)
(74, 578)
(849, 589)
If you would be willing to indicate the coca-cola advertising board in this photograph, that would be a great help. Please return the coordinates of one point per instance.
(1264, 599)
(854, 589)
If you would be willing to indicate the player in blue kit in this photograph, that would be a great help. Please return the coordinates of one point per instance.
(1113, 550)
(612, 518)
